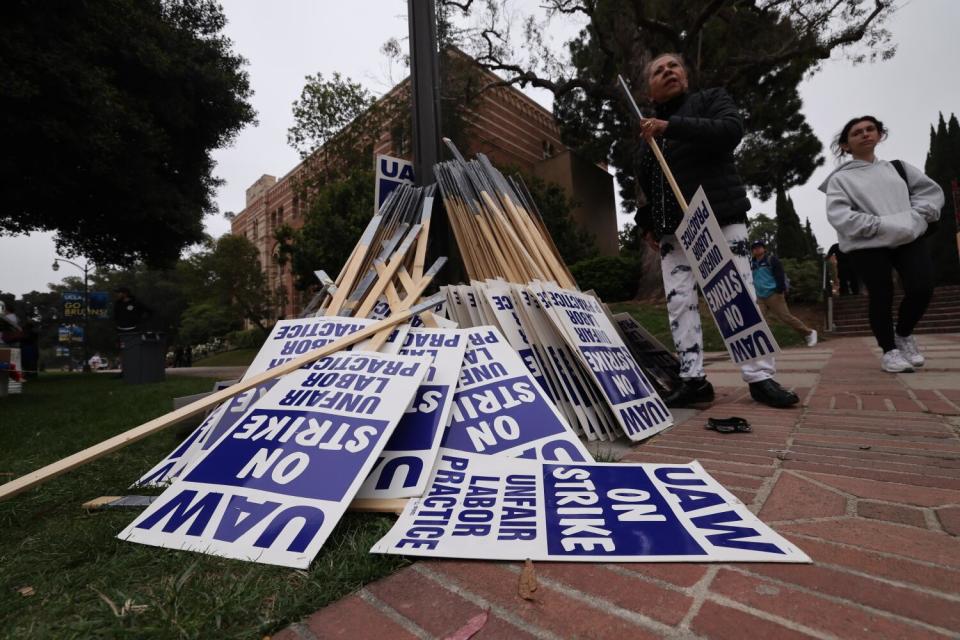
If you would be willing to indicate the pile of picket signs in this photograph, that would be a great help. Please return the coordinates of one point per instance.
(467, 417)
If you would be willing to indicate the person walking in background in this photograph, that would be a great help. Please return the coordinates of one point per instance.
(881, 211)
(770, 283)
(699, 132)
(847, 281)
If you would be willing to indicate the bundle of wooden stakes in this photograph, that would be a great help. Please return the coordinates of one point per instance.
(497, 226)
(385, 272)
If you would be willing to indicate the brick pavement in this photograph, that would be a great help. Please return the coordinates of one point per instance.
(864, 477)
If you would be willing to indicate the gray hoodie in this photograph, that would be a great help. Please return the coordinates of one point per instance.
(870, 206)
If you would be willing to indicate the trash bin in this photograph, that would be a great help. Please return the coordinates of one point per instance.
(143, 357)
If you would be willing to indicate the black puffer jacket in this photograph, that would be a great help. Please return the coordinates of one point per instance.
(705, 127)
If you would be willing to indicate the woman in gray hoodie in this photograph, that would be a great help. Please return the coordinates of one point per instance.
(881, 213)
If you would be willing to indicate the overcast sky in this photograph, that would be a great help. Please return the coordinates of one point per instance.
(285, 40)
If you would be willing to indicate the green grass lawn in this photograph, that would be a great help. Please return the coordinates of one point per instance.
(653, 317)
(234, 358)
(70, 557)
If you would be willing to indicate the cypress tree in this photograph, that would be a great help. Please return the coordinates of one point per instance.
(943, 166)
(791, 241)
(813, 247)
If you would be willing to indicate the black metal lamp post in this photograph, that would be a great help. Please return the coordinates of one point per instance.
(86, 305)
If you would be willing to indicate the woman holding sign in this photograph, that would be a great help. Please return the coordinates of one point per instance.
(698, 132)
(882, 211)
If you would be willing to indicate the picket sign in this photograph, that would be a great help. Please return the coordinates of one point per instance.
(497, 298)
(492, 508)
(639, 411)
(403, 468)
(273, 487)
(660, 364)
(730, 298)
(562, 362)
(287, 339)
(499, 409)
(150, 427)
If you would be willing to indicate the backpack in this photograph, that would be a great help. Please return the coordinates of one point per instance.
(931, 226)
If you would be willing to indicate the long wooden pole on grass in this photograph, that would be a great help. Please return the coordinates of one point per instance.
(38, 477)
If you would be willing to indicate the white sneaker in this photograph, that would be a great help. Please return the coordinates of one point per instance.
(812, 338)
(894, 362)
(908, 348)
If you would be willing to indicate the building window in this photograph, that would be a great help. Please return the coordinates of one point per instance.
(399, 141)
(256, 230)
(279, 215)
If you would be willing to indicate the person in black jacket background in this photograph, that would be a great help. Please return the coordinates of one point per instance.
(698, 132)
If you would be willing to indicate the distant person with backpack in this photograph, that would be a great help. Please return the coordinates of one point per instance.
(771, 284)
(882, 212)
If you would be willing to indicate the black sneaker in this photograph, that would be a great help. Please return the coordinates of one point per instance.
(691, 391)
(770, 393)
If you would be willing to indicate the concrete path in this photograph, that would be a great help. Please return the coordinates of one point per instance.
(864, 477)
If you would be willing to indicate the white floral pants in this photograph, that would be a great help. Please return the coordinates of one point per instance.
(683, 304)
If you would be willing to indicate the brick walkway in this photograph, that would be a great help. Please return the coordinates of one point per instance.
(865, 478)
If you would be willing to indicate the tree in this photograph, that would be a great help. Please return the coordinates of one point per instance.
(943, 166)
(814, 250)
(758, 49)
(224, 282)
(324, 109)
(554, 206)
(791, 240)
(764, 228)
(109, 113)
(338, 213)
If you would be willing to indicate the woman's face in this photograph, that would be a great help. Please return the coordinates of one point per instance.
(667, 79)
(862, 139)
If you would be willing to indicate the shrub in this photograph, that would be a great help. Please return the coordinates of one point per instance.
(614, 278)
(246, 339)
(806, 284)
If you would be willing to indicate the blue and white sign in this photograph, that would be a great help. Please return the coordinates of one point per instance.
(289, 339)
(499, 409)
(730, 299)
(390, 174)
(499, 300)
(490, 508)
(639, 411)
(273, 487)
(403, 468)
(561, 366)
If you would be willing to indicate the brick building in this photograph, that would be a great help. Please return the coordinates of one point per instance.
(503, 123)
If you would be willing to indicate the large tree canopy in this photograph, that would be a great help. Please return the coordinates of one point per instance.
(758, 49)
(109, 111)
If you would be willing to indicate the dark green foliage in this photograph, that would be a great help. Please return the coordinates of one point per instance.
(109, 112)
(764, 228)
(791, 240)
(573, 243)
(338, 213)
(806, 279)
(814, 249)
(226, 286)
(68, 555)
(943, 166)
(612, 277)
(628, 239)
(247, 339)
